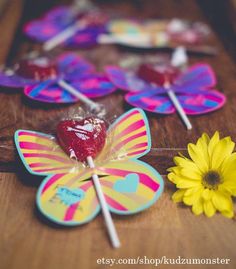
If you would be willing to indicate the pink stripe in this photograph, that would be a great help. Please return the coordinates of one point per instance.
(140, 145)
(133, 127)
(69, 215)
(33, 134)
(115, 204)
(144, 179)
(50, 169)
(34, 165)
(51, 181)
(128, 139)
(136, 152)
(30, 145)
(48, 156)
(128, 116)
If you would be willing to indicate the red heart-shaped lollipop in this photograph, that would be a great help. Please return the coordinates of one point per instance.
(158, 74)
(81, 139)
(39, 69)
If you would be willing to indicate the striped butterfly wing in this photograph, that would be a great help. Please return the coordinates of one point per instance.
(130, 186)
(94, 85)
(128, 138)
(203, 102)
(125, 80)
(68, 199)
(49, 25)
(42, 155)
(195, 90)
(196, 78)
(151, 101)
(72, 66)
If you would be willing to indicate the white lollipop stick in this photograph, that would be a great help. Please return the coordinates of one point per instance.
(78, 94)
(178, 106)
(106, 213)
(63, 35)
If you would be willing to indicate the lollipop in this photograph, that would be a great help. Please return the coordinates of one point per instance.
(164, 75)
(84, 140)
(81, 139)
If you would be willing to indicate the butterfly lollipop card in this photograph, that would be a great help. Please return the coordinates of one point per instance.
(165, 89)
(89, 169)
(67, 78)
(159, 34)
(66, 25)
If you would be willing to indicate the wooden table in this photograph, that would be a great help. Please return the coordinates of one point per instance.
(166, 229)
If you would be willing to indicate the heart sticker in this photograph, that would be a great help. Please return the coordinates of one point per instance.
(127, 185)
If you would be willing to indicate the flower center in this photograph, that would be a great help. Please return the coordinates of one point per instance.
(211, 180)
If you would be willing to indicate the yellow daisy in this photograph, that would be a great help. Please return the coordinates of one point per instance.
(207, 180)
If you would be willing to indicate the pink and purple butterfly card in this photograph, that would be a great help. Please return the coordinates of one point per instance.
(194, 88)
(39, 77)
(67, 195)
(59, 18)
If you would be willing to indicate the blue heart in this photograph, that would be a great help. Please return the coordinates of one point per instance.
(127, 185)
(70, 196)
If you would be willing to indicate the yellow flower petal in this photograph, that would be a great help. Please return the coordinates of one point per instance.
(228, 187)
(209, 208)
(186, 163)
(207, 194)
(173, 177)
(228, 168)
(174, 169)
(222, 150)
(202, 144)
(193, 198)
(192, 191)
(198, 157)
(222, 202)
(191, 174)
(228, 214)
(213, 142)
(184, 184)
(178, 196)
(197, 207)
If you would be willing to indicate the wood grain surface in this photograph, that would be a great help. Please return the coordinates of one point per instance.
(27, 240)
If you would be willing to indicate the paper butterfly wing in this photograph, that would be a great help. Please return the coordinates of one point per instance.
(197, 77)
(48, 25)
(49, 92)
(14, 81)
(42, 31)
(203, 102)
(72, 66)
(130, 186)
(151, 101)
(128, 137)
(94, 85)
(125, 80)
(58, 13)
(68, 199)
(41, 154)
(195, 93)
(85, 38)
